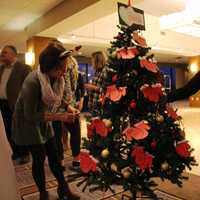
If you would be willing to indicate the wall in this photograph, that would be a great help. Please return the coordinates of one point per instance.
(180, 74)
(181, 77)
(36, 44)
(194, 100)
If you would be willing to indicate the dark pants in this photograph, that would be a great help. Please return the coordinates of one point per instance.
(75, 136)
(39, 153)
(18, 151)
(57, 126)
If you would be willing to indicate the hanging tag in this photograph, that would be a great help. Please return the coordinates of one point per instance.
(131, 17)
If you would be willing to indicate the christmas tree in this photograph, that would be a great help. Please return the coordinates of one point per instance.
(137, 135)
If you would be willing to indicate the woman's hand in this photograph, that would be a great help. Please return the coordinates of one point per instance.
(64, 117)
(79, 104)
(68, 117)
(73, 110)
(91, 87)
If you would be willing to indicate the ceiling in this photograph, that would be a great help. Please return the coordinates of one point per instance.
(95, 26)
(15, 15)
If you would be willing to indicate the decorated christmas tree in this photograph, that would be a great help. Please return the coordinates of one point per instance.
(137, 135)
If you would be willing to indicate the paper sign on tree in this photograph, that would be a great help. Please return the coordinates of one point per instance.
(130, 16)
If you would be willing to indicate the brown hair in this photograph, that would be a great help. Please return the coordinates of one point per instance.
(99, 60)
(51, 57)
(56, 43)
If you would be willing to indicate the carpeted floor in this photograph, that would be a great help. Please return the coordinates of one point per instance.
(29, 191)
(165, 191)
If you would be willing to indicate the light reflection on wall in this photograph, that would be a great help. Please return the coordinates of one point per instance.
(30, 58)
(193, 67)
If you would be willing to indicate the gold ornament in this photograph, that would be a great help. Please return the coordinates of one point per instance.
(177, 122)
(164, 166)
(114, 167)
(159, 118)
(107, 122)
(114, 54)
(105, 153)
(126, 172)
(145, 121)
(149, 114)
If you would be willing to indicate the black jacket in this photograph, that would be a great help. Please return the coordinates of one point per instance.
(189, 89)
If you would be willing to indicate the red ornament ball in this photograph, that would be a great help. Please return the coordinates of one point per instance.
(133, 104)
(114, 78)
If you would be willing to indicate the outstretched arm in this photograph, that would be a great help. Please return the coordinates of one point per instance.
(189, 89)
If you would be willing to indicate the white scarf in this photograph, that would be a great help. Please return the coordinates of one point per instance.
(51, 95)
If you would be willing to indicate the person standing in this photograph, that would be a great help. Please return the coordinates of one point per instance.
(75, 93)
(35, 110)
(60, 131)
(99, 60)
(12, 75)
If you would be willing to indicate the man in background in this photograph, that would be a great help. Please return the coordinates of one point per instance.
(12, 75)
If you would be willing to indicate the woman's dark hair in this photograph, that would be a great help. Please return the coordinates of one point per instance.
(51, 57)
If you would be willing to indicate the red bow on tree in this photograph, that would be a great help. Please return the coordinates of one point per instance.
(87, 162)
(139, 40)
(150, 66)
(114, 93)
(138, 132)
(172, 113)
(142, 159)
(182, 148)
(127, 53)
(99, 127)
(153, 93)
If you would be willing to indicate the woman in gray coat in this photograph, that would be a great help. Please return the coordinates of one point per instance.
(36, 108)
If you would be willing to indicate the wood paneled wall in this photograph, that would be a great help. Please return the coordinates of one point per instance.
(194, 100)
(36, 44)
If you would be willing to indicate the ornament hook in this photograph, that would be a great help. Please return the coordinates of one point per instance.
(130, 2)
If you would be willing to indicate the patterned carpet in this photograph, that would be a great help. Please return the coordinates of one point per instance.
(29, 191)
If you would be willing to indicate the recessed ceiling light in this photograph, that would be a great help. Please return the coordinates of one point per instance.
(73, 36)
